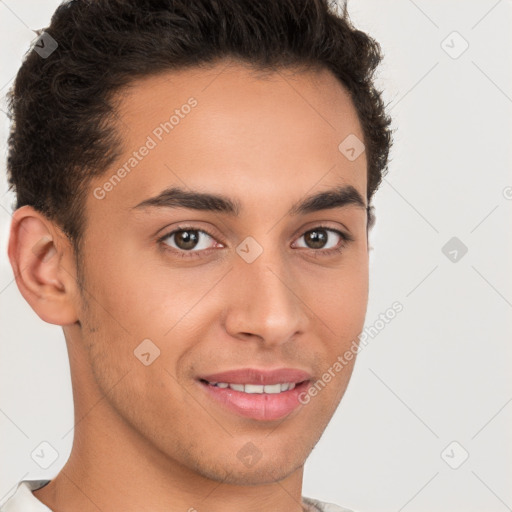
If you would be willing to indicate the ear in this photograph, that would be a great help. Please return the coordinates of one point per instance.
(42, 260)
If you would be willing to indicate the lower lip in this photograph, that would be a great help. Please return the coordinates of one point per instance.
(258, 406)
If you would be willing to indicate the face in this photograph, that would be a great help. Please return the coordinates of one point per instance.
(185, 286)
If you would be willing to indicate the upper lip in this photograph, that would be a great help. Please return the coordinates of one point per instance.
(255, 376)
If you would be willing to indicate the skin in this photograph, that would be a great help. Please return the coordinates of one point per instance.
(148, 437)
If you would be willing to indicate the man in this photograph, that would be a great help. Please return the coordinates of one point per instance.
(194, 184)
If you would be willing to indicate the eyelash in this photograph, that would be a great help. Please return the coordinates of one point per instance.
(345, 237)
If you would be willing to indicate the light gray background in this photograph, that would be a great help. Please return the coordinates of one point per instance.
(440, 371)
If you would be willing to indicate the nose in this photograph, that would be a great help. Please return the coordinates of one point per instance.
(264, 302)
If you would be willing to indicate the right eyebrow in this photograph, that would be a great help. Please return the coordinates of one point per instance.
(176, 197)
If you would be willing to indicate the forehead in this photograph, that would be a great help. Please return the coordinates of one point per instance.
(229, 127)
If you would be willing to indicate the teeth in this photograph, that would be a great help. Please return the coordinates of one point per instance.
(251, 388)
(272, 388)
(257, 388)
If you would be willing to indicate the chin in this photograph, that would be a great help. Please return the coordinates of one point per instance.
(261, 474)
(279, 465)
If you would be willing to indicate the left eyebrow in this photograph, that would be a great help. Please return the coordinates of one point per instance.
(175, 197)
(338, 197)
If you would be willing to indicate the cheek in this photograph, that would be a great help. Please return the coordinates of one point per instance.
(339, 297)
(144, 295)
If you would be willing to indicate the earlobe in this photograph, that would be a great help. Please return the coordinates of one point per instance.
(39, 255)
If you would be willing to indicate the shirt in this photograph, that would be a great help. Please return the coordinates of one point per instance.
(22, 500)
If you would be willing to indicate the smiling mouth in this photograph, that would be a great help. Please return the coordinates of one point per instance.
(267, 402)
(269, 389)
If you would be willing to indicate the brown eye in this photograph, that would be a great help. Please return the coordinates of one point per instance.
(187, 240)
(321, 238)
(316, 238)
